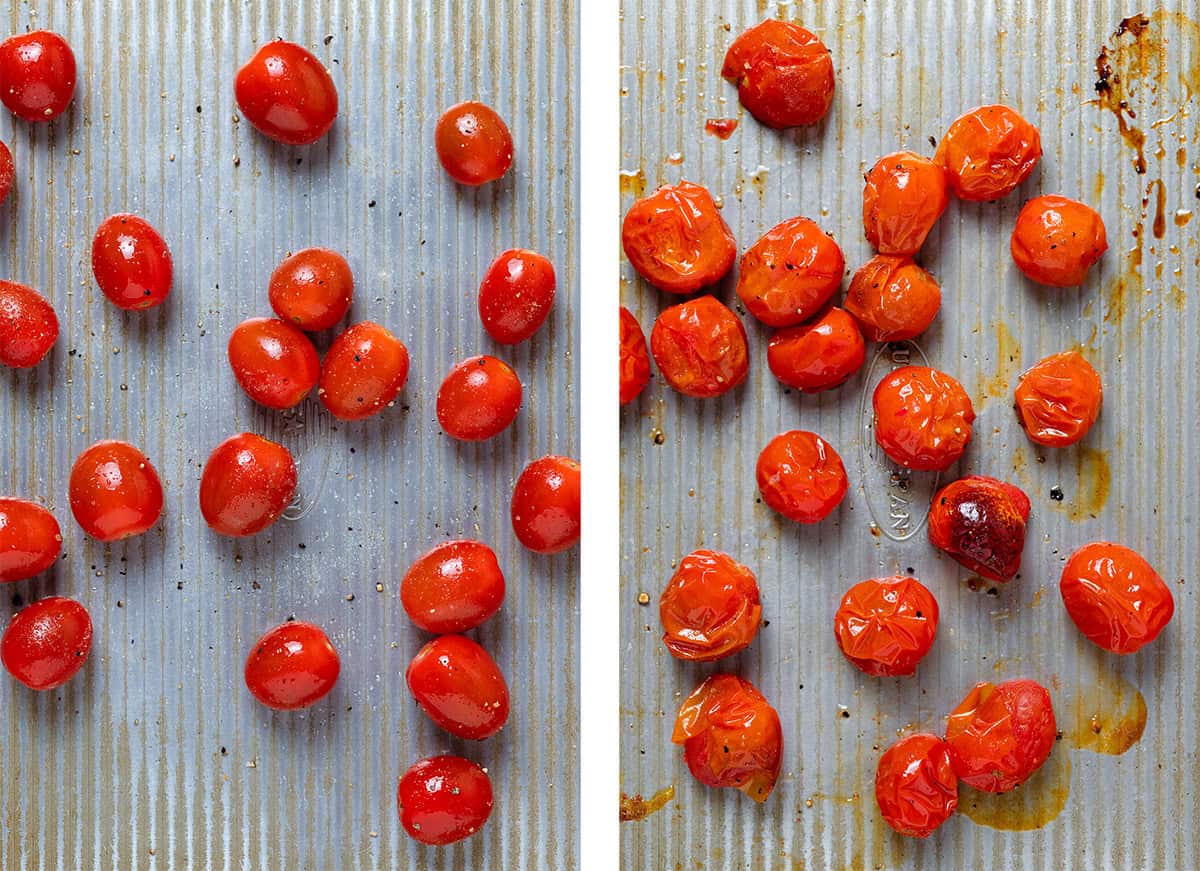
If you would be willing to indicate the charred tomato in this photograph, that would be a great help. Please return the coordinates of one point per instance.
(28, 326)
(131, 262)
(677, 240)
(246, 485)
(923, 418)
(987, 152)
(460, 687)
(444, 799)
(114, 491)
(479, 399)
(30, 539)
(312, 289)
(1059, 399)
(787, 275)
(515, 295)
(915, 786)
(1000, 734)
(980, 522)
(1115, 598)
(286, 93)
(37, 75)
(885, 626)
(363, 372)
(292, 666)
(710, 608)
(801, 476)
(1056, 240)
(453, 587)
(819, 355)
(273, 362)
(473, 143)
(635, 359)
(783, 72)
(700, 348)
(893, 298)
(545, 508)
(904, 196)
(47, 642)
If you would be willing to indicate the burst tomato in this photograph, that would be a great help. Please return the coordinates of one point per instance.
(131, 262)
(1056, 240)
(30, 539)
(247, 483)
(444, 799)
(980, 522)
(904, 196)
(819, 355)
(515, 295)
(47, 642)
(363, 372)
(987, 152)
(453, 587)
(479, 399)
(783, 72)
(787, 275)
(37, 75)
(700, 348)
(114, 491)
(312, 288)
(273, 362)
(893, 298)
(473, 143)
(460, 687)
(885, 626)
(1059, 399)
(677, 240)
(635, 359)
(1000, 734)
(923, 418)
(546, 505)
(292, 666)
(28, 326)
(286, 93)
(1115, 598)
(801, 476)
(710, 608)
(915, 786)
(7, 172)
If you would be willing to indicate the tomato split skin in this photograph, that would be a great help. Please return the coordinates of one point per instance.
(1115, 597)
(47, 642)
(801, 476)
(635, 358)
(131, 262)
(363, 372)
(37, 75)
(784, 74)
(444, 799)
(677, 240)
(247, 484)
(700, 348)
(915, 785)
(286, 93)
(516, 295)
(274, 363)
(453, 587)
(459, 687)
(115, 492)
(473, 143)
(1000, 734)
(312, 289)
(980, 522)
(479, 399)
(292, 666)
(28, 326)
(30, 539)
(545, 509)
(710, 608)
(886, 626)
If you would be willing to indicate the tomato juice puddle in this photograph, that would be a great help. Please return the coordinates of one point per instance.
(634, 808)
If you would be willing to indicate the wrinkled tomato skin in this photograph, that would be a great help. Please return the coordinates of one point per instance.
(980, 522)
(915, 786)
(700, 348)
(114, 491)
(273, 362)
(801, 476)
(987, 152)
(292, 666)
(545, 509)
(7, 172)
(1059, 399)
(677, 240)
(479, 399)
(473, 143)
(923, 418)
(131, 262)
(710, 608)
(47, 642)
(1001, 734)
(905, 194)
(28, 326)
(312, 289)
(893, 298)
(819, 355)
(30, 539)
(783, 72)
(460, 687)
(787, 275)
(443, 800)
(886, 626)
(286, 93)
(453, 587)
(364, 371)
(635, 358)
(731, 736)
(247, 483)
(516, 295)
(1056, 240)
(37, 75)
(1114, 597)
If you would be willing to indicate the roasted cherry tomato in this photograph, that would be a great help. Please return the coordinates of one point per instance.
(700, 348)
(37, 75)
(1115, 597)
(677, 240)
(479, 399)
(453, 587)
(1056, 240)
(710, 608)
(885, 626)
(246, 485)
(904, 197)
(1059, 399)
(114, 491)
(1000, 734)
(635, 359)
(893, 298)
(987, 152)
(460, 687)
(515, 295)
(363, 372)
(731, 736)
(473, 143)
(923, 418)
(545, 505)
(47, 642)
(312, 288)
(28, 326)
(801, 476)
(293, 666)
(30, 540)
(787, 275)
(915, 786)
(131, 262)
(286, 93)
(819, 355)
(273, 362)
(7, 172)
(444, 799)
(980, 522)
(783, 72)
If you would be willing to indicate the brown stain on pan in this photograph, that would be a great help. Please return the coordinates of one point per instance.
(1032, 805)
(634, 807)
(633, 181)
(1089, 493)
(1107, 716)
(1007, 366)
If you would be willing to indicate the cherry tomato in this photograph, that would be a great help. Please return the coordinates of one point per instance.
(363, 372)
(286, 93)
(1056, 240)
(479, 399)
(444, 799)
(635, 359)
(473, 143)
(904, 197)
(47, 642)
(114, 491)
(783, 72)
(545, 505)
(312, 288)
(28, 326)
(30, 540)
(7, 172)
(460, 687)
(453, 587)
(731, 736)
(923, 418)
(247, 483)
(1059, 399)
(987, 152)
(131, 262)
(710, 608)
(980, 522)
(787, 275)
(677, 240)
(515, 295)
(1115, 597)
(273, 362)
(37, 75)
(292, 666)
(885, 626)
(893, 298)
(801, 476)
(1000, 734)
(915, 787)
(700, 348)
(819, 355)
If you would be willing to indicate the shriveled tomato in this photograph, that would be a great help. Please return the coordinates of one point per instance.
(292, 666)
(312, 288)
(114, 491)
(546, 505)
(273, 362)
(801, 476)
(515, 295)
(787, 275)
(286, 93)
(473, 143)
(453, 587)
(885, 626)
(1000, 734)
(819, 355)
(915, 786)
(1116, 598)
(904, 196)
(460, 687)
(246, 484)
(635, 359)
(131, 262)
(923, 418)
(7, 172)
(731, 736)
(700, 348)
(1056, 240)
(363, 372)
(987, 152)
(479, 399)
(1059, 399)
(677, 240)
(893, 298)
(980, 522)
(47, 642)
(30, 539)
(710, 608)
(444, 799)
(37, 75)
(783, 72)
(28, 326)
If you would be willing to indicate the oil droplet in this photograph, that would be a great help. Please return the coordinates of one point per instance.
(637, 808)
(1182, 216)
(722, 128)
(1181, 157)
(1108, 716)
(1160, 205)
(675, 158)
(633, 182)
(1030, 806)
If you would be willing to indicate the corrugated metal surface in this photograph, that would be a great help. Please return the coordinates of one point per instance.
(156, 756)
(902, 77)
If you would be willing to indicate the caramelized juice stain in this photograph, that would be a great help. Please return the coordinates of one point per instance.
(1093, 480)
(637, 808)
(633, 182)
(1108, 716)
(1182, 216)
(1160, 208)
(1008, 365)
(1030, 806)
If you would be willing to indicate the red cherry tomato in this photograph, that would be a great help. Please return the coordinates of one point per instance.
(915, 786)
(783, 72)
(819, 355)
(987, 152)
(1115, 598)
(1059, 399)
(453, 587)
(980, 522)
(1056, 240)
(115, 492)
(1000, 734)
(30, 540)
(312, 289)
(246, 485)
(923, 418)
(545, 505)
(363, 372)
(444, 799)
(7, 172)
(479, 399)
(677, 240)
(801, 476)
(710, 608)
(635, 359)
(515, 295)
(731, 736)
(292, 666)
(885, 626)
(28, 326)
(460, 687)
(273, 362)
(286, 93)
(37, 75)
(47, 642)
(131, 262)
(700, 348)
(473, 143)
(904, 196)
(787, 275)
(893, 298)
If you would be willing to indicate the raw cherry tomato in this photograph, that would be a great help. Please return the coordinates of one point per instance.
(444, 799)
(37, 75)
(30, 540)
(783, 72)
(286, 93)
(7, 172)
(1059, 399)
(1056, 240)
(677, 240)
(515, 295)
(479, 399)
(453, 587)
(545, 505)
(1000, 734)
(710, 608)
(473, 143)
(28, 326)
(904, 197)
(980, 523)
(885, 626)
(787, 275)
(915, 787)
(114, 491)
(801, 476)
(700, 348)
(819, 355)
(292, 666)
(364, 370)
(893, 298)
(635, 359)
(459, 687)
(987, 152)
(47, 642)
(731, 736)
(131, 262)
(1115, 597)
(247, 483)
(312, 289)
(923, 418)
(273, 362)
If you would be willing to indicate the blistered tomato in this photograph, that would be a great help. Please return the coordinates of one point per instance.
(987, 152)
(131, 262)
(292, 666)
(7, 172)
(364, 370)
(1116, 598)
(114, 491)
(47, 642)
(479, 399)
(273, 362)
(312, 288)
(37, 75)
(700, 348)
(893, 298)
(783, 72)
(635, 359)
(30, 539)
(980, 522)
(473, 143)
(453, 587)
(787, 275)
(286, 93)
(801, 476)
(915, 786)
(246, 484)
(1059, 399)
(28, 326)
(710, 608)
(1000, 734)
(546, 505)
(515, 295)
(819, 355)
(459, 686)
(443, 800)
(904, 196)
(677, 240)
(885, 626)
(1056, 240)
(923, 418)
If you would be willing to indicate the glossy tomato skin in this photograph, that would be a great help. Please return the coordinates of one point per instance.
(1056, 240)
(710, 608)
(453, 587)
(444, 799)
(292, 666)
(247, 483)
(893, 298)
(1115, 598)
(987, 152)
(30, 539)
(131, 262)
(47, 642)
(819, 355)
(915, 786)
(905, 194)
(1000, 734)
(980, 522)
(312, 289)
(7, 172)
(700, 348)
(677, 240)
(1059, 399)
(114, 491)
(515, 295)
(923, 418)
(37, 75)
(545, 507)
(783, 72)
(363, 372)
(479, 399)
(460, 687)
(731, 736)
(635, 358)
(885, 626)
(801, 476)
(787, 275)
(28, 326)
(286, 93)
(273, 362)
(473, 143)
